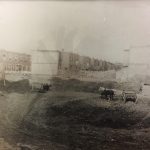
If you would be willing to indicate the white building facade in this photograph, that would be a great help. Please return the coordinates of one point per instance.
(44, 66)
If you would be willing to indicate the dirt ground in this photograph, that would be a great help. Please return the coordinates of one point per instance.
(71, 119)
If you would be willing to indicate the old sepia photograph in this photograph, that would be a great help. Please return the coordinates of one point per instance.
(75, 75)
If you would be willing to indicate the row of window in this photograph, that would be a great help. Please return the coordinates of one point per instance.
(17, 68)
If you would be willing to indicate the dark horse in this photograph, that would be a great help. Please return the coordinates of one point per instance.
(107, 94)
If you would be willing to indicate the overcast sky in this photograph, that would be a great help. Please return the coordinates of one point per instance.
(98, 29)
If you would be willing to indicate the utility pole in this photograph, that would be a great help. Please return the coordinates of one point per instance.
(4, 80)
(127, 55)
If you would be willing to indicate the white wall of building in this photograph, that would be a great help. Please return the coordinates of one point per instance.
(139, 63)
(44, 65)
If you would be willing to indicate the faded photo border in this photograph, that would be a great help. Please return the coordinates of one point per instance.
(74, 74)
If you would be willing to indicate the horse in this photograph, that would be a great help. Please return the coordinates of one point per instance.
(108, 94)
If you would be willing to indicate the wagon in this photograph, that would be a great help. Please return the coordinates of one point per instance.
(129, 96)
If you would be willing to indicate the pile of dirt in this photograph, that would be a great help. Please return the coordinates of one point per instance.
(16, 86)
(74, 123)
(79, 112)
